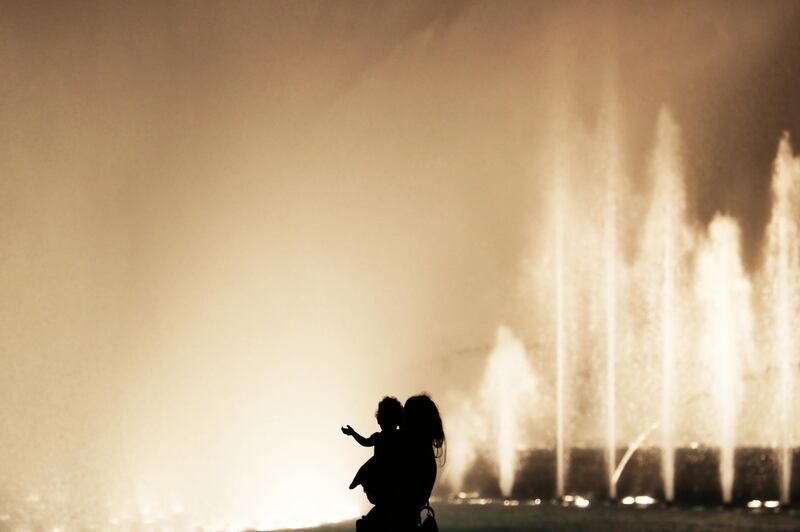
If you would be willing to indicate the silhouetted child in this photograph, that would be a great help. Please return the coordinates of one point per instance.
(385, 442)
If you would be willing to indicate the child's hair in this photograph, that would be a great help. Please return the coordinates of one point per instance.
(390, 412)
(421, 418)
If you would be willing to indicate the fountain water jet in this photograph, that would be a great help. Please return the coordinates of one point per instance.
(632, 448)
(724, 294)
(612, 171)
(782, 265)
(560, 342)
(507, 392)
(668, 212)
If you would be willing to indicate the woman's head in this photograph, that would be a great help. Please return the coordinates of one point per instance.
(421, 419)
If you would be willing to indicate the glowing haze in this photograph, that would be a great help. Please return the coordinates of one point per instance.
(227, 229)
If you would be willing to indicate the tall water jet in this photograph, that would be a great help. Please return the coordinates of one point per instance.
(724, 294)
(560, 168)
(667, 212)
(611, 156)
(783, 274)
(508, 388)
(560, 339)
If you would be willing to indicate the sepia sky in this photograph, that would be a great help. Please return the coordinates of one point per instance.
(205, 205)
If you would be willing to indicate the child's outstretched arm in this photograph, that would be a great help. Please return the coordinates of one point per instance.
(364, 442)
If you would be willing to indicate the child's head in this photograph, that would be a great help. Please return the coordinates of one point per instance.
(389, 413)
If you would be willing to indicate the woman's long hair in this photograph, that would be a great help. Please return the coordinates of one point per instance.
(421, 418)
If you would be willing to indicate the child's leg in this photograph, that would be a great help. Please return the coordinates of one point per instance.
(362, 476)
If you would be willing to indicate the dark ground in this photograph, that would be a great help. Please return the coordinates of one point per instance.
(552, 518)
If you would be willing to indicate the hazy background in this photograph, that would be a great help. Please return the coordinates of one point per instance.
(229, 228)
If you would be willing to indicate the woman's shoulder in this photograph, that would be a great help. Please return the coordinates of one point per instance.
(415, 448)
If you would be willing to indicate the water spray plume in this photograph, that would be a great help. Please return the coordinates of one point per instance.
(610, 259)
(560, 344)
(508, 392)
(668, 213)
(724, 294)
(783, 292)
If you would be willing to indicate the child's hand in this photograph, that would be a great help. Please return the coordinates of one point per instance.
(348, 430)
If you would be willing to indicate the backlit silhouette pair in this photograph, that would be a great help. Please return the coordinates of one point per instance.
(399, 477)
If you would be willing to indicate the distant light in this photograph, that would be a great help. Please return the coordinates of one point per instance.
(771, 504)
(644, 500)
(341, 515)
(510, 502)
(536, 502)
(575, 500)
(628, 500)
(755, 503)
(694, 445)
